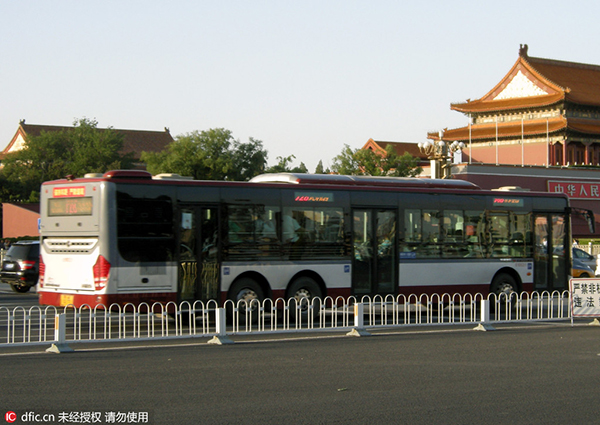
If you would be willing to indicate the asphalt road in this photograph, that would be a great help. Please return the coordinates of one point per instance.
(535, 374)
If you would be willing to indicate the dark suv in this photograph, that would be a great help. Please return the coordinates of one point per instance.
(20, 268)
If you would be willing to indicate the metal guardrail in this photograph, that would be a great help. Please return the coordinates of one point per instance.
(63, 326)
(593, 249)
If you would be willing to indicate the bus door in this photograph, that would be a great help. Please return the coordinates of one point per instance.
(198, 277)
(374, 258)
(551, 253)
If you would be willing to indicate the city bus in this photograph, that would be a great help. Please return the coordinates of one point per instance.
(127, 236)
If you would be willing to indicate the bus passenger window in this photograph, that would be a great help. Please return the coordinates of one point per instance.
(520, 235)
(454, 225)
(474, 230)
(266, 224)
(412, 226)
(431, 226)
(236, 224)
(454, 236)
(313, 232)
(422, 233)
(291, 228)
(252, 232)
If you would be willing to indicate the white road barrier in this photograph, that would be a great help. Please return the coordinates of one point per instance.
(62, 327)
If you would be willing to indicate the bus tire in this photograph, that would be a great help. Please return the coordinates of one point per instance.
(248, 290)
(504, 284)
(304, 290)
(505, 287)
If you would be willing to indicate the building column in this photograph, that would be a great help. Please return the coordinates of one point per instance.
(589, 153)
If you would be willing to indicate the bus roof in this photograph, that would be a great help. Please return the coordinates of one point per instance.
(336, 179)
(302, 179)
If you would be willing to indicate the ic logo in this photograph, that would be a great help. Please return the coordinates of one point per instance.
(10, 417)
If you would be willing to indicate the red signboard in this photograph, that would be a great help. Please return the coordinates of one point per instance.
(575, 190)
(61, 192)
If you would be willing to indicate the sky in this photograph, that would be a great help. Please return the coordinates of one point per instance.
(305, 77)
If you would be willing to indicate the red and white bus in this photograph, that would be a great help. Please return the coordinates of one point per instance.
(130, 237)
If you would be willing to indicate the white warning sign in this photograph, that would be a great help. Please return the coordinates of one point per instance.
(585, 297)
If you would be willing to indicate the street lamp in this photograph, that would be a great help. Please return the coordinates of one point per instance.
(440, 155)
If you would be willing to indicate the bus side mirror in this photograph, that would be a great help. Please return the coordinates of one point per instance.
(588, 215)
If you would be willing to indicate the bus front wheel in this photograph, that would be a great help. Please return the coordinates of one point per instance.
(505, 287)
(247, 294)
(504, 284)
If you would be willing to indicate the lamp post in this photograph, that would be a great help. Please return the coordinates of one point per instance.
(440, 155)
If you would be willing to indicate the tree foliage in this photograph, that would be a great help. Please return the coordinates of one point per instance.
(321, 169)
(56, 154)
(365, 162)
(284, 166)
(209, 155)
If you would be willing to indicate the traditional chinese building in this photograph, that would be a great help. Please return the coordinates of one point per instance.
(134, 141)
(543, 112)
(538, 129)
(379, 147)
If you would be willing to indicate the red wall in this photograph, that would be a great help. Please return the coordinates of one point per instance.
(20, 220)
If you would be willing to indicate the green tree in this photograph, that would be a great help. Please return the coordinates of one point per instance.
(320, 169)
(284, 166)
(209, 155)
(365, 162)
(249, 159)
(56, 154)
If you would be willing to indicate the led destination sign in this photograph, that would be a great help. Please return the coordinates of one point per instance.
(509, 202)
(69, 206)
(313, 197)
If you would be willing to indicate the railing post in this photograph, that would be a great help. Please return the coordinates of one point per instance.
(60, 335)
(359, 321)
(221, 337)
(484, 324)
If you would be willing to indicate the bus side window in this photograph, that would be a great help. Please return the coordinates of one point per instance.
(474, 231)
(454, 235)
(237, 222)
(520, 239)
(313, 232)
(431, 233)
(412, 231)
(252, 232)
(266, 224)
(422, 233)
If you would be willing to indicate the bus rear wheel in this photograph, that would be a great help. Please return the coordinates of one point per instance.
(304, 290)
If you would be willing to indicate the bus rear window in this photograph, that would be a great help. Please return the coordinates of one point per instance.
(145, 228)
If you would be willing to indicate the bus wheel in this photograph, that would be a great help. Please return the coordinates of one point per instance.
(249, 292)
(505, 287)
(304, 290)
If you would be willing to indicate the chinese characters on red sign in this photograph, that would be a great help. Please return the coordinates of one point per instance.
(61, 192)
(575, 190)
